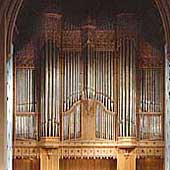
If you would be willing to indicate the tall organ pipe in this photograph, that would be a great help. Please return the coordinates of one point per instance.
(50, 90)
(54, 91)
(131, 83)
(120, 92)
(127, 73)
(127, 85)
(46, 87)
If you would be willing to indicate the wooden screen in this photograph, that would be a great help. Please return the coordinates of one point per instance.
(88, 164)
(150, 164)
(26, 164)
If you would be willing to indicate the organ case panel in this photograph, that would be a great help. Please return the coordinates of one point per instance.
(150, 94)
(26, 115)
(93, 164)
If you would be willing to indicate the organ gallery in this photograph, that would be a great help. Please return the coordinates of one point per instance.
(88, 95)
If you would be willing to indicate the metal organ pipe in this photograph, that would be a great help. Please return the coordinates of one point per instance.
(113, 79)
(133, 120)
(71, 78)
(27, 106)
(120, 91)
(103, 83)
(127, 86)
(79, 85)
(131, 85)
(106, 76)
(46, 87)
(74, 77)
(53, 89)
(42, 94)
(58, 92)
(94, 73)
(65, 81)
(123, 87)
(50, 90)
(127, 74)
(89, 72)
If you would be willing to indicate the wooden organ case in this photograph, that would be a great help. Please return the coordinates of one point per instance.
(88, 96)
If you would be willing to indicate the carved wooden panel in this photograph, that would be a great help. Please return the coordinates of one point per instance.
(105, 39)
(89, 164)
(71, 39)
(26, 164)
(150, 164)
(26, 56)
(149, 57)
(89, 152)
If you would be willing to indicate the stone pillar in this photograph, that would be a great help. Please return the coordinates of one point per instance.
(167, 110)
(9, 106)
(3, 119)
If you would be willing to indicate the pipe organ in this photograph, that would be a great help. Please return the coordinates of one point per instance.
(89, 92)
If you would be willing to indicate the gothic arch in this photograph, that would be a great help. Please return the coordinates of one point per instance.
(8, 14)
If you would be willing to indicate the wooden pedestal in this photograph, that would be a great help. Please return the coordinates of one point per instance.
(49, 160)
(126, 162)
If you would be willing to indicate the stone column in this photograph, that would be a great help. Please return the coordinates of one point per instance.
(9, 109)
(3, 119)
(167, 109)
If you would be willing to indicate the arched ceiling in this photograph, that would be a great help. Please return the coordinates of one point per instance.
(152, 28)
